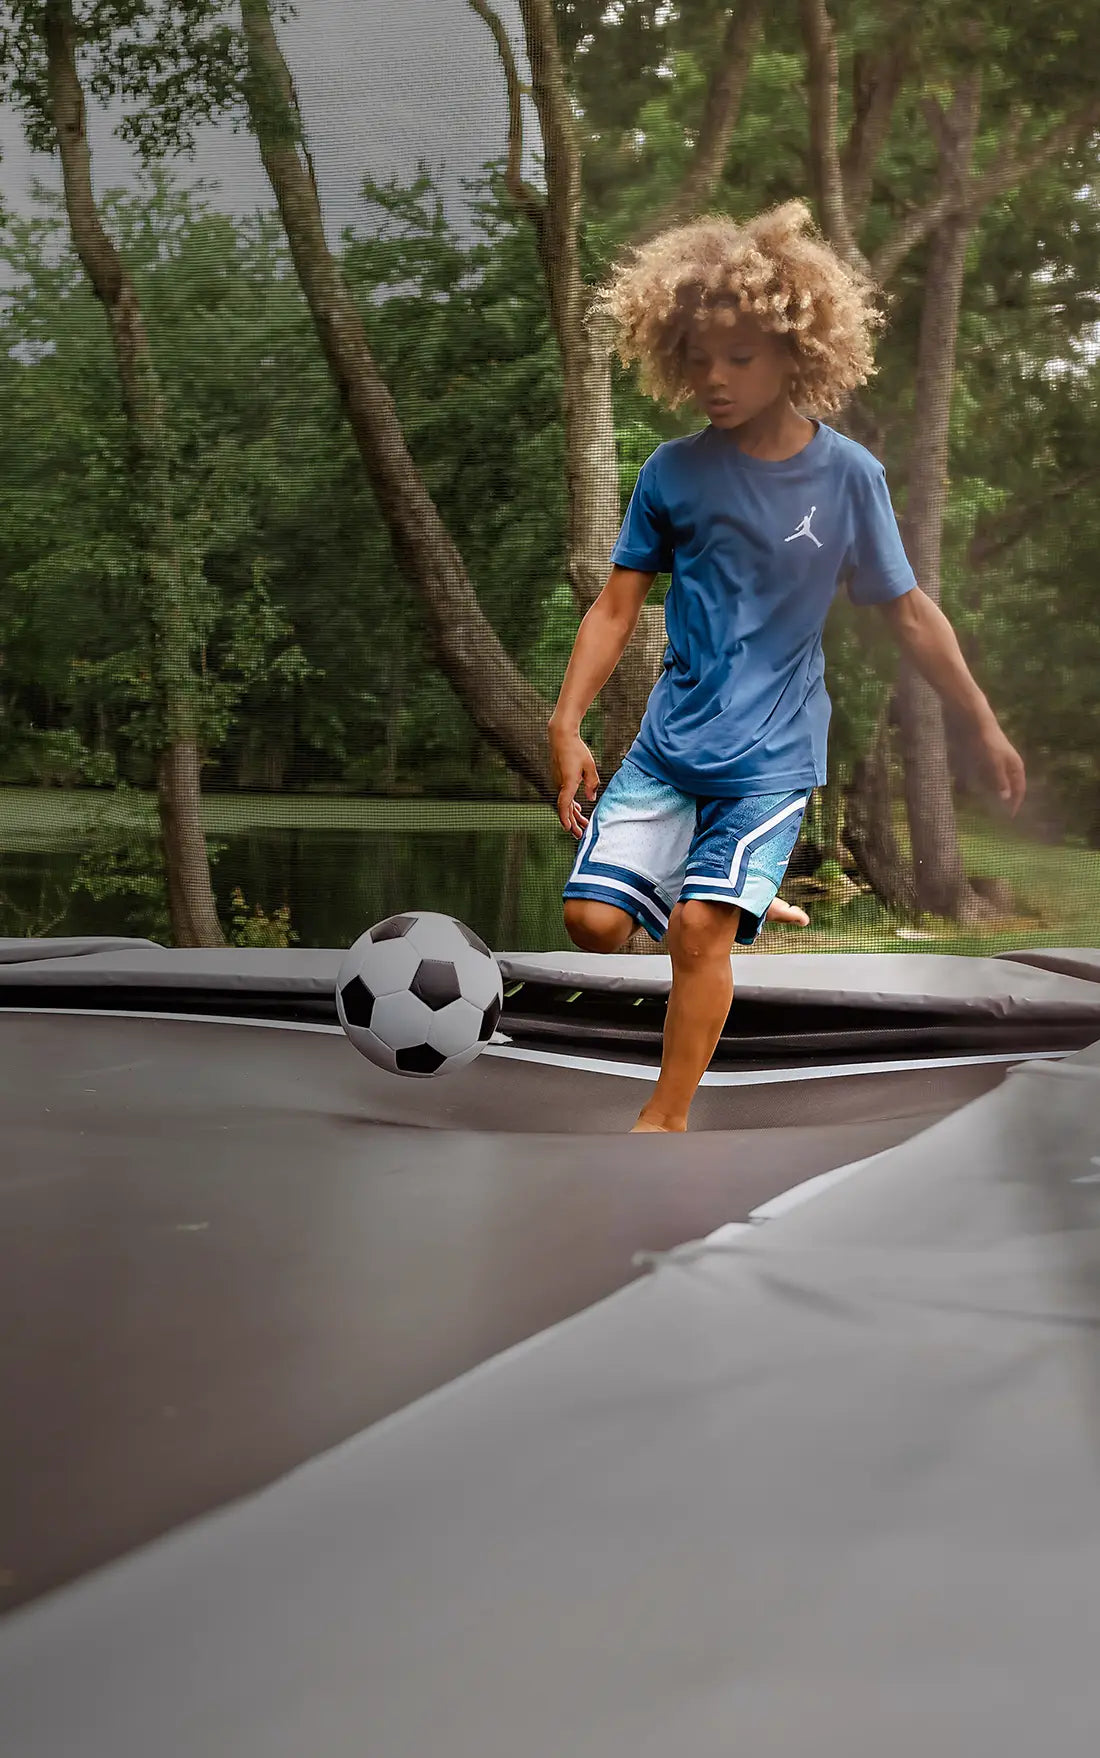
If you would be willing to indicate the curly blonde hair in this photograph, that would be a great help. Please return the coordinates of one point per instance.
(775, 268)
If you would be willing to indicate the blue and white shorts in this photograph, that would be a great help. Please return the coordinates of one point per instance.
(648, 845)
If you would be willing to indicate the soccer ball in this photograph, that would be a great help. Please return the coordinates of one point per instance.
(419, 994)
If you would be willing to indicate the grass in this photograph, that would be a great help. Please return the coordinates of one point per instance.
(1057, 891)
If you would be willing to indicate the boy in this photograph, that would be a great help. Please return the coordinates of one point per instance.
(757, 517)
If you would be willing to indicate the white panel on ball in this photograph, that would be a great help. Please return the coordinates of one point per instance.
(478, 978)
(401, 1021)
(463, 1059)
(455, 1027)
(372, 1047)
(436, 936)
(387, 966)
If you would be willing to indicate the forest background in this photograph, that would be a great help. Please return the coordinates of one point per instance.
(294, 515)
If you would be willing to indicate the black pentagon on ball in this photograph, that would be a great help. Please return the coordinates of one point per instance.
(436, 983)
(393, 928)
(421, 1059)
(489, 1021)
(358, 1002)
(474, 940)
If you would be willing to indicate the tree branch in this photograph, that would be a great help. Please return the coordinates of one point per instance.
(559, 137)
(932, 111)
(993, 537)
(523, 193)
(983, 189)
(819, 36)
(555, 216)
(499, 699)
(952, 130)
(1014, 169)
(913, 230)
(721, 109)
(876, 84)
(303, 141)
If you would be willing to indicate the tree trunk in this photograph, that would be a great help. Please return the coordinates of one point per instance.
(179, 799)
(832, 822)
(869, 830)
(940, 877)
(276, 757)
(511, 890)
(191, 899)
(394, 707)
(587, 413)
(500, 701)
(594, 517)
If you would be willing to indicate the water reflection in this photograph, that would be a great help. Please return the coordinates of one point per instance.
(506, 884)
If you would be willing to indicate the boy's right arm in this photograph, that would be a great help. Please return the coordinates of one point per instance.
(602, 638)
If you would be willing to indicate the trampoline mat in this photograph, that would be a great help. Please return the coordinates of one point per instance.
(827, 1486)
(227, 1248)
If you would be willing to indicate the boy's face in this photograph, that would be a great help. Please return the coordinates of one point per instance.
(736, 369)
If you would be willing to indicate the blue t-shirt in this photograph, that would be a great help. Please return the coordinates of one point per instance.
(756, 550)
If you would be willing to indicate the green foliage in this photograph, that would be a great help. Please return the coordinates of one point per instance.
(60, 758)
(314, 667)
(254, 927)
(120, 858)
(72, 600)
(185, 57)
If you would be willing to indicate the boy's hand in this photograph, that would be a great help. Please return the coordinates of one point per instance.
(572, 763)
(1003, 767)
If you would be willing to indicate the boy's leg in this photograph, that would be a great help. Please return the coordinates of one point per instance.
(597, 927)
(700, 937)
(630, 862)
(738, 857)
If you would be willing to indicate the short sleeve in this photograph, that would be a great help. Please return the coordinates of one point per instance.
(880, 568)
(645, 540)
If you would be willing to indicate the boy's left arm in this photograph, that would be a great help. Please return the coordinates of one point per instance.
(925, 635)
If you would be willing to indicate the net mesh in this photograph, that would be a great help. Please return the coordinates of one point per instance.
(299, 520)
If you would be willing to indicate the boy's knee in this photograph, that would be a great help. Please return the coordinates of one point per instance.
(701, 927)
(596, 927)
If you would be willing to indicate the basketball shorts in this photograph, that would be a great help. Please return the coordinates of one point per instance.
(648, 845)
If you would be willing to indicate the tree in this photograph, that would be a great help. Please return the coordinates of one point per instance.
(964, 57)
(42, 43)
(557, 218)
(270, 487)
(179, 63)
(497, 696)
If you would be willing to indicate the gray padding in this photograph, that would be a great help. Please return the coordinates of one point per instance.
(984, 1178)
(23, 952)
(1071, 961)
(233, 969)
(913, 982)
(830, 1488)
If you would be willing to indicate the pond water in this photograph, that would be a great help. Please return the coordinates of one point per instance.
(504, 883)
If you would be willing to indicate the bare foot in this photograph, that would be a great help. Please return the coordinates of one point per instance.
(778, 911)
(644, 1128)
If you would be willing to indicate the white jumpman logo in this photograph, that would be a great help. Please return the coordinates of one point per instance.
(804, 530)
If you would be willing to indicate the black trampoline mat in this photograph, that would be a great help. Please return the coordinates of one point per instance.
(226, 1248)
